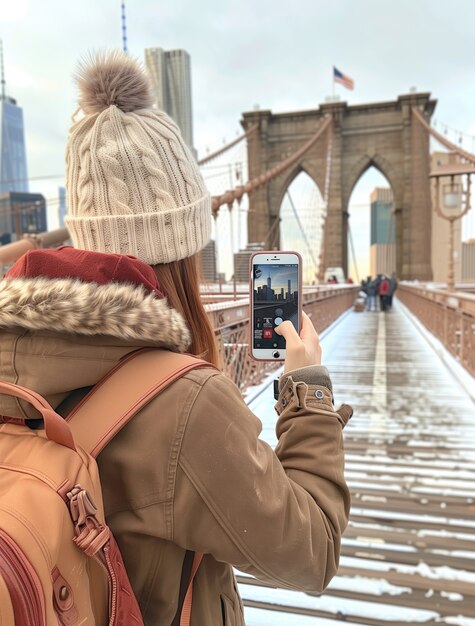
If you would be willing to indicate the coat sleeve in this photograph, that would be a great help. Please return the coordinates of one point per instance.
(277, 515)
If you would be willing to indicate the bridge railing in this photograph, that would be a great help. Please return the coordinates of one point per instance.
(10, 252)
(448, 316)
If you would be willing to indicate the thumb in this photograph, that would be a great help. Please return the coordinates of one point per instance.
(287, 330)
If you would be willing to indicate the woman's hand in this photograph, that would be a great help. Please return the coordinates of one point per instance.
(302, 350)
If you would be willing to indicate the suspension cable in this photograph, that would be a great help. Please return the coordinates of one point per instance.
(228, 146)
(259, 181)
(441, 139)
(355, 264)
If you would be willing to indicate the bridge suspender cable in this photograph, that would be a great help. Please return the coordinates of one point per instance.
(225, 148)
(310, 251)
(326, 194)
(440, 138)
(355, 264)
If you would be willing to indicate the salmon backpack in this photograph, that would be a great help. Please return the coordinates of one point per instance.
(59, 563)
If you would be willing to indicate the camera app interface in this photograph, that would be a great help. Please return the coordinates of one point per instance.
(275, 294)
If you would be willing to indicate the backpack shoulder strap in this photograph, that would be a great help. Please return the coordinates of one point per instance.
(117, 397)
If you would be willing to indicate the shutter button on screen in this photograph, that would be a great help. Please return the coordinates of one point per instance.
(278, 321)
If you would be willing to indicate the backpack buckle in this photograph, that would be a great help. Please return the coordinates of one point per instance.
(91, 535)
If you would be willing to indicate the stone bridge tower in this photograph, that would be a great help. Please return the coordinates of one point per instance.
(384, 135)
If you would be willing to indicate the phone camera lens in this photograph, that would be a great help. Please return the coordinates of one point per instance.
(276, 354)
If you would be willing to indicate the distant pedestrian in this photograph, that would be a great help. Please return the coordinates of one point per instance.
(392, 288)
(365, 283)
(371, 290)
(383, 291)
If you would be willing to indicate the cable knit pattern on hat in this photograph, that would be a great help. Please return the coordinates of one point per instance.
(133, 185)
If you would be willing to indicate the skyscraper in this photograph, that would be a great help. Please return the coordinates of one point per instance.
(13, 169)
(241, 261)
(170, 71)
(155, 61)
(62, 210)
(382, 229)
(383, 232)
(21, 213)
(468, 260)
(208, 262)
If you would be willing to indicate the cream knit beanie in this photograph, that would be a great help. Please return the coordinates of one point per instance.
(133, 185)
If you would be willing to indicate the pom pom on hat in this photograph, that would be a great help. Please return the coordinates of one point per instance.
(133, 185)
(112, 78)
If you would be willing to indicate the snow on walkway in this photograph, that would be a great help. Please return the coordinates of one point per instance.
(407, 555)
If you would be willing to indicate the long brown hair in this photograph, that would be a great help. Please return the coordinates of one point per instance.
(180, 283)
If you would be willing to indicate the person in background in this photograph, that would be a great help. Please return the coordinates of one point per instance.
(383, 291)
(371, 290)
(364, 284)
(392, 288)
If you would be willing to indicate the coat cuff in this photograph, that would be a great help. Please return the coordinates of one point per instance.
(312, 375)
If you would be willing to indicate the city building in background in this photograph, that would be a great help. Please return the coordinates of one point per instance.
(170, 71)
(440, 228)
(383, 232)
(241, 261)
(265, 293)
(13, 168)
(21, 213)
(63, 209)
(208, 262)
(468, 260)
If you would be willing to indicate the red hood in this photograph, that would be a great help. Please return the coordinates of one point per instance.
(78, 313)
(73, 294)
(89, 267)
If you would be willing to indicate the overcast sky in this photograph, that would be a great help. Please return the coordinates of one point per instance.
(268, 52)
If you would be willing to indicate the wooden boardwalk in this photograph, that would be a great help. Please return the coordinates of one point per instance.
(408, 555)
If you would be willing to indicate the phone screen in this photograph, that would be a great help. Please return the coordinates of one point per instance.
(275, 299)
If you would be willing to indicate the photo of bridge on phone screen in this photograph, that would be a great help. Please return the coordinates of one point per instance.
(275, 299)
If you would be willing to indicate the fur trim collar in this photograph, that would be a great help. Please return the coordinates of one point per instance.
(69, 305)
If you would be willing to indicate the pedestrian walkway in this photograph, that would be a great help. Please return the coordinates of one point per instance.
(408, 555)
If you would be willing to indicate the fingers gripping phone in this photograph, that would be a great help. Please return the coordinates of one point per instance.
(275, 296)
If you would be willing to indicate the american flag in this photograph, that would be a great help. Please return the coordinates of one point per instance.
(339, 77)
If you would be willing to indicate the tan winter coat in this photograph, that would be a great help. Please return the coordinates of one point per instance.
(189, 472)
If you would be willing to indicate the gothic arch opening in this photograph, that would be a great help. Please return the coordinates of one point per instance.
(371, 232)
(301, 225)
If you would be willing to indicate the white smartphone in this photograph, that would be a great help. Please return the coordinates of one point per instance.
(275, 296)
